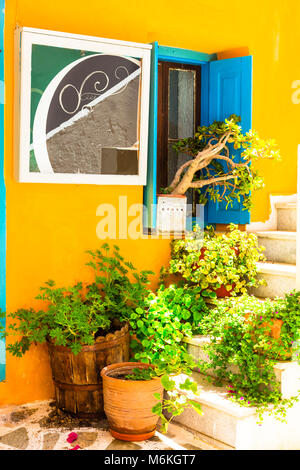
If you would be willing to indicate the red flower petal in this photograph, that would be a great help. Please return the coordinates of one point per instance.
(72, 437)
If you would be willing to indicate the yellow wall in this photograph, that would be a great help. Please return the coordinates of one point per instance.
(50, 226)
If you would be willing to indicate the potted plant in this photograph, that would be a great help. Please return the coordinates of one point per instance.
(221, 264)
(84, 327)
(129, 398)
(133, 392)
(220, 168)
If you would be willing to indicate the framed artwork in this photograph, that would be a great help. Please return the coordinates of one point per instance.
(82, 106)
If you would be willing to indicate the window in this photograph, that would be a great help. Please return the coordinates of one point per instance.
(225, 88)
(179, 105)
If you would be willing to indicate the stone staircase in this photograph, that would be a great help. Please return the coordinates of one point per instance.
(280, 250)
(226, 423)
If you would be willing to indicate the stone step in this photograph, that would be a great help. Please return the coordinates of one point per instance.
(287, 372)
(189, 439)
(280, 246)
(236, 426)
(280, 278)
(286, 216)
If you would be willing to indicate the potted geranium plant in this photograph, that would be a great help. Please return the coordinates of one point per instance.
(221, 264)
(220, 167)
(84, 327)
(133, 392)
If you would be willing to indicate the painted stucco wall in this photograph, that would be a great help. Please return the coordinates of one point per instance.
(49, 227)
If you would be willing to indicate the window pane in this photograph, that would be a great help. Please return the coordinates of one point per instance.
(175, 160)
(181, 103)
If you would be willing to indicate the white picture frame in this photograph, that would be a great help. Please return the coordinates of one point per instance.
(25, 39)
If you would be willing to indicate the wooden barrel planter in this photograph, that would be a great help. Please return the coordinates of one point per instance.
(77, 378)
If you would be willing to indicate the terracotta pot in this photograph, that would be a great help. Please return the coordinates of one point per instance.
(128, 403)
(221, 292)
(77, 380)
(275, 326)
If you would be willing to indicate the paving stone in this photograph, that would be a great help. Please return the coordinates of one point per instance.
(190, 447)
(17, 416)
(116, 444)
(154, 439)
(50, 440)
(86, 439)
(17, 439)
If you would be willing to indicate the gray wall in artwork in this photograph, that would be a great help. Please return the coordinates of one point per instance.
(109, 124)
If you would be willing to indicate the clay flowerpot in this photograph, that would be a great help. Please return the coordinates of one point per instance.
(77, 379)
(275, 326)
(221, 291)
(171, 213)
(128, 403)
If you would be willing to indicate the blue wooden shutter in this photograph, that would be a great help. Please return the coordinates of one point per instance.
(229, 92)
(150, 198)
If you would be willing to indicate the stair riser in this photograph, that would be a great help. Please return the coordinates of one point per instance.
(214, 423)
(277, 286)
(245, 433)
(279, 250)
(287, 374)
(287, 219)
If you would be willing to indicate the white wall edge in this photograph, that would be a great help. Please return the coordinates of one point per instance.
(298, 224)
(271, 223)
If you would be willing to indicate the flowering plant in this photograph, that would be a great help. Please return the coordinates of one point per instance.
(213, 260)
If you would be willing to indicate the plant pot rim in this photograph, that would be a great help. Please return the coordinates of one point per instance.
(172, 195)
(121, 365)
(101, 341)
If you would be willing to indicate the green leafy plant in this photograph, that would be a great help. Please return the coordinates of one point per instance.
(76, 315)
(248, 337)
(157, 338)
(221, 162)
(212, 261)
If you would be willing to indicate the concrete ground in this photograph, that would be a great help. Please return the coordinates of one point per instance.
(40, 426)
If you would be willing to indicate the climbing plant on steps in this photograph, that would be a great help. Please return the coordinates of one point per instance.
(247, 338)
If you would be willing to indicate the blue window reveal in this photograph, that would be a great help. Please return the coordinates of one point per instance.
(226, 88)
(2, 190)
